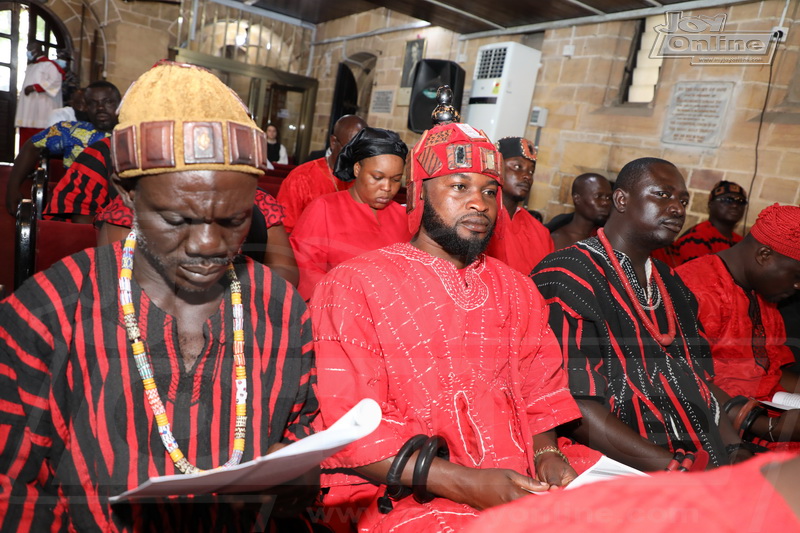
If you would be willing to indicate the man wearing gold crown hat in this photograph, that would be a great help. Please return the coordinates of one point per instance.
(455, 347)
(167, 354)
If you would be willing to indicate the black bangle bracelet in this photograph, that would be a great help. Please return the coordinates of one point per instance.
(748, 422)
(733, 402)
(751, 447)
(435, 446)
(394, 489)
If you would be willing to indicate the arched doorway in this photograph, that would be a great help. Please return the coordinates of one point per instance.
(20, 23)
(353, 89)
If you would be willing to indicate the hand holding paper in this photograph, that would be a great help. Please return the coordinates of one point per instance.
(268, 470)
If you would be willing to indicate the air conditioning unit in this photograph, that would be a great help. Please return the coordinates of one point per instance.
(502, 89)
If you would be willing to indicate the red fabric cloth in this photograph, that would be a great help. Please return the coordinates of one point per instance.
(734, 499)
(303, 184)
(723, 312)
(27, 133)
(466, 354)
(84, 189)
(699, 240)
(523, 242)
(335, 228)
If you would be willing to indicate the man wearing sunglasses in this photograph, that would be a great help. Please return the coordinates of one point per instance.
(726, 205)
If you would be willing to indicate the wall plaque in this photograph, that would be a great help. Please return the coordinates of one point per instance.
(696, 113)
(382, 101)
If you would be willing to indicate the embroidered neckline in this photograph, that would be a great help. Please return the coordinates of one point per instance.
(465, 286)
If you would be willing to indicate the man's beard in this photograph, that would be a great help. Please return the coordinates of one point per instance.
(167, 269)
(448, 238)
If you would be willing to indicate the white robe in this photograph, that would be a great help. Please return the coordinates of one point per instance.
(34, 108)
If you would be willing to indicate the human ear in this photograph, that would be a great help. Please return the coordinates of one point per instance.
(357, 169)
(620, 198)
(125, 189)
(764, 255)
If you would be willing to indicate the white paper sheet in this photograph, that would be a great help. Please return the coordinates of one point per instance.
(604, 469)
(268, 470)
(784, 401)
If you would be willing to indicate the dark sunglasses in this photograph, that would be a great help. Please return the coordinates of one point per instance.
(731, 200)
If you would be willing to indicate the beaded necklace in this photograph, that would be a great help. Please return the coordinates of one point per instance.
(664, 339)
(146, 370)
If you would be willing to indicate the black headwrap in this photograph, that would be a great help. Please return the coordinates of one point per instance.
(368, 142)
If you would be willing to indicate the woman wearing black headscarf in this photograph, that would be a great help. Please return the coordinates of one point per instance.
(342, 225)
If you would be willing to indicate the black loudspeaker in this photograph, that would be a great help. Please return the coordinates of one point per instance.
(429, 75)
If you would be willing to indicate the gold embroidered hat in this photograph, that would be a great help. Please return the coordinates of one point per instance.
(179, 117)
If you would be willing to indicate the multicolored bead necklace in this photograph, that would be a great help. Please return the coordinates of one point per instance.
(664, 339)
(146, 370)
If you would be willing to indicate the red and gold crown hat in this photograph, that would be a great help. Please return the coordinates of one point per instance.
(449, 147)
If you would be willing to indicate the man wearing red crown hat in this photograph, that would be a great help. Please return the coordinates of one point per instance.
(455, 347)
(737, 290)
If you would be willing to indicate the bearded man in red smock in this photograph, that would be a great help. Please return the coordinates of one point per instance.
(456, 348)
(737, 290)
(315, 178)
(524, 241)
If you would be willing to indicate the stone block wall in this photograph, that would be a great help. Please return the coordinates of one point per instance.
(134, 35)
(587, 128)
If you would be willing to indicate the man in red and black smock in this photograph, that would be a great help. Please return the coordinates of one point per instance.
(77, 422)
(84, 195)
(647, 367)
